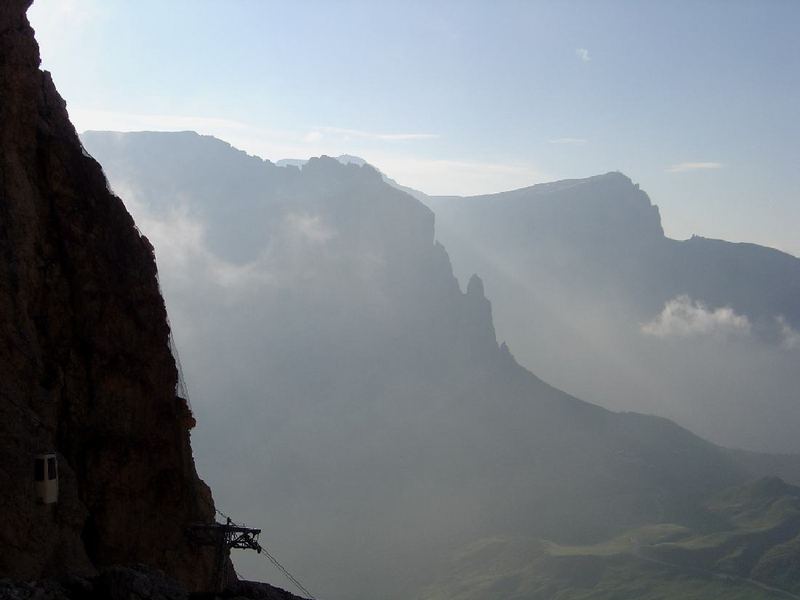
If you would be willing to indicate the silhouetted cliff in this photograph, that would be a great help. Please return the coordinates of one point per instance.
(703, 331)
(357, 394)
(85, 366)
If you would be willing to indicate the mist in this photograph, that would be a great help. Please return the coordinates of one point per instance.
(352, 397)
(594, 298)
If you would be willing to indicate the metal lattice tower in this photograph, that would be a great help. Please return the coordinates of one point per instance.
(224, 537)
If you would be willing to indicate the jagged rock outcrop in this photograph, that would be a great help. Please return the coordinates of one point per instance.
(85, 366)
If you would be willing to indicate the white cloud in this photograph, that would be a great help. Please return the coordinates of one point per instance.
(568, 140)
(181, 247)
(583, 54)
(310, 227)
(693, 166)
(177, 234)
(683, 317)
(790, 337)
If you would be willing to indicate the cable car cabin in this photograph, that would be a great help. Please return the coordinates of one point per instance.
(45, 474)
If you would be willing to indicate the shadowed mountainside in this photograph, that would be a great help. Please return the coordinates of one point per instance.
(593, 297)
(360, 402)
(747, 547)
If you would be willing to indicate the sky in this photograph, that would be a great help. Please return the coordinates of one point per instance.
(695, 101)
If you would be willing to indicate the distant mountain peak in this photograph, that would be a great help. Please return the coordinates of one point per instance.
(349, 159)
(345, 159)
(475, 287)
(618, 175)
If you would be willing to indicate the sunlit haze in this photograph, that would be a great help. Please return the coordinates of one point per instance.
(696, 101)
(400, 300)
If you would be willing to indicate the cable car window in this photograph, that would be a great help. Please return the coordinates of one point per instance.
(51, 468)
(38, 469)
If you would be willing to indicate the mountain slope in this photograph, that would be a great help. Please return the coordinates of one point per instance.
(747, 548)
(362, 409)
(702, 331)
(607, 221)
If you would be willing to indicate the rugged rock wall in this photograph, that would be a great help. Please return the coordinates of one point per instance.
(396, 429)
(85, 367)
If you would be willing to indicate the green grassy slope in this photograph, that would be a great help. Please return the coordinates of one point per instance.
(749, 549)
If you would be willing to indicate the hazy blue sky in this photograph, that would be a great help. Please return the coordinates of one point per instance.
(696, 101)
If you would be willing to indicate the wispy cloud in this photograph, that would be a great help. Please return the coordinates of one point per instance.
(311, 227)
(386, 137)
(790, 337)
(568, 140)
(583, 54)
(693, 166)
(683, 317)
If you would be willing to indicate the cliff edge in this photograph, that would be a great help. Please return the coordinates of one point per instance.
(85, 365)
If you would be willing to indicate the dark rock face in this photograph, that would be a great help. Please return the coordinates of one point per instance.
(135, 582)
(85, 366)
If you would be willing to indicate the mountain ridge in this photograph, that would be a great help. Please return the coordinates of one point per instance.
(367, 350)
(700, 330)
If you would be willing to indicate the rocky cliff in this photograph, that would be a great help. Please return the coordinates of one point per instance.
(701, 331)
(373, 425)
(85, 365)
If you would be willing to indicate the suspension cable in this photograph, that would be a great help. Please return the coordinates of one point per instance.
(275, 562)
